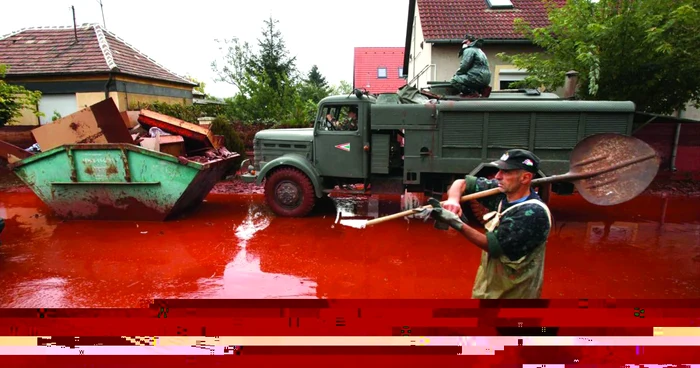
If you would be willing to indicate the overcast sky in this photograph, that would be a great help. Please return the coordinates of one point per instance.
(180, 35)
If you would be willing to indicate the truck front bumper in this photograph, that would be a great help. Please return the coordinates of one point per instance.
(248, 174)
(249, 178)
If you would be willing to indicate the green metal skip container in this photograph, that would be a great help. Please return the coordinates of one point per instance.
(118, 181)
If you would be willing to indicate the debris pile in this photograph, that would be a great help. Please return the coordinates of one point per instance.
(182, 139)
(104, 123)
(212, 154)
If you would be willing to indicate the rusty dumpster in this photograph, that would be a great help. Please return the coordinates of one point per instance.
(119, 181)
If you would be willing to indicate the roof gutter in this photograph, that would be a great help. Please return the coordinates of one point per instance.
(490, 41)
(29, 77)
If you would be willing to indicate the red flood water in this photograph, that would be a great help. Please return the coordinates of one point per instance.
(233, 247)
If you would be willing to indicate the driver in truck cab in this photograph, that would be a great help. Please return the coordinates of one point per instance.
(350, 122)
(513, 247)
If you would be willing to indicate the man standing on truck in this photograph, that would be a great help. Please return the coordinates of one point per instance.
(512, 261)
(473, 74)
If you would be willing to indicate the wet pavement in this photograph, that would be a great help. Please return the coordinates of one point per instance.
(233, 247)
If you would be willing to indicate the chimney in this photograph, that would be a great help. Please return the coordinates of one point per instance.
(571, 84)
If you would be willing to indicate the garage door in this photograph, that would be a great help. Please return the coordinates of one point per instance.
(62, 104)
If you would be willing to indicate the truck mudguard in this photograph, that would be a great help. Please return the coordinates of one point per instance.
(297, 161)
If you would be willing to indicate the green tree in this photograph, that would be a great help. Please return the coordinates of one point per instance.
(316, 79)
(273, 58)
(200, 85)
(236, 61)
(343, 88)
(232, 140)
(267, 82)
(13, 99)
(642, 51)
(315, 87)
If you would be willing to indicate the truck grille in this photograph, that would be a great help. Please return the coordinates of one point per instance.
(268, 151)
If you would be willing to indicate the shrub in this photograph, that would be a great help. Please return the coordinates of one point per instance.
(188, 113)
(232, 140)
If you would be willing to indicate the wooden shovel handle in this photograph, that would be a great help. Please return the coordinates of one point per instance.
(465, 198)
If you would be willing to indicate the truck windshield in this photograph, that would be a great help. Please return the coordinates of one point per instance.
(339, 118)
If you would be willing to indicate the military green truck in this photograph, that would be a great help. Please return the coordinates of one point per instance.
(421, 141)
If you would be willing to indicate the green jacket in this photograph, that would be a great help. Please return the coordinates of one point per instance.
(513, 267)
(473, 67)
(348, 124)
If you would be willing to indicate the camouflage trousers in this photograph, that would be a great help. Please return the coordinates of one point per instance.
(468, 84)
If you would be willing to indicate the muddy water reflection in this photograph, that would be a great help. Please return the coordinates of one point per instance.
(243, 277)
(232, 247)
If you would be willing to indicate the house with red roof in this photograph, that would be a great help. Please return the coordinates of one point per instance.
(75, 67)
(436, 29)
(378, 69)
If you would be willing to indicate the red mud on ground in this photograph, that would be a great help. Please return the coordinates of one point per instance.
(662, 186)
(233, 247)
(236, 186)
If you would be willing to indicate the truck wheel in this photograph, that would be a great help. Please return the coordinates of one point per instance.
(289, 193)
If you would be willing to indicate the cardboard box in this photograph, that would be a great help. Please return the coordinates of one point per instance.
(99, 123)
(150, 143)
(172, 145)
(131, 118)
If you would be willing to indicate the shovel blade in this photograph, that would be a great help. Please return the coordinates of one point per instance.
(637, 165)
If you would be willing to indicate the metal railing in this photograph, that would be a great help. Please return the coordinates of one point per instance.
(425, 69)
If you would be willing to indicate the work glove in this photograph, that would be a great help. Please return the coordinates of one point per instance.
(440, 214)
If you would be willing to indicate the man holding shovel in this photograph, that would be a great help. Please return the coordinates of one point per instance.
(512, 262)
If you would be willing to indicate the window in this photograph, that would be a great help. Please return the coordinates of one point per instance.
(499, 4)
(400, 72)
(64, 105)
(381, 72)
(504, 84)
(508, 76)
(339, 118)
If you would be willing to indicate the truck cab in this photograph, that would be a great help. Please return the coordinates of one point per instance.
(300, 166)
(341, 144)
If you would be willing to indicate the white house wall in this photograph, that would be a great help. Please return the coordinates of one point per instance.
(446, 59)
(420, 57)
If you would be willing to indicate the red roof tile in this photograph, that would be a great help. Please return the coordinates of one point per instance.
(452, 19)
(54, 50)
(369, 59)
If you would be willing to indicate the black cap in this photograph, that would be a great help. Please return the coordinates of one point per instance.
(518, 159)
